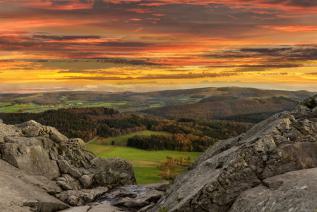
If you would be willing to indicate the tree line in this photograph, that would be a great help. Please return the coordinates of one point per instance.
(179, 142)
(87, 123)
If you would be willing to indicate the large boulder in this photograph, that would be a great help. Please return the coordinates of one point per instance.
(66, 169)
(21, 192)
(283, 143)
(293, 191)
(29, 155)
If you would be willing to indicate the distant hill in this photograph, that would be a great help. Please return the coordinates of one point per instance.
(199, 103)
(236, 104)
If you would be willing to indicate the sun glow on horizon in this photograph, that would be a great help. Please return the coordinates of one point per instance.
(143, 45)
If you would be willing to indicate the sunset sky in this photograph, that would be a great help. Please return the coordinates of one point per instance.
(143, 45)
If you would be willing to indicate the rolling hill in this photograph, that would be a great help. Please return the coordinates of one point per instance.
(227, 103)
(129, 101)
(236, 104)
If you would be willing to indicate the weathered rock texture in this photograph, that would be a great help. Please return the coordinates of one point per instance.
(20, 192)
(254, 171)
(38, 160)
(129, 198)
(293, 191)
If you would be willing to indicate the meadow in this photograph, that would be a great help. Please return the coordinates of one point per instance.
(145, 163)
(7, 107)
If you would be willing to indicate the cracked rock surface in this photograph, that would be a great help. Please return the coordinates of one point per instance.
(293, 191)
(42, 170)
(131, 198)
(233, 175)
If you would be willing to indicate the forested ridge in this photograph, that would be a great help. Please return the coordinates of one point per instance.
(87, 123)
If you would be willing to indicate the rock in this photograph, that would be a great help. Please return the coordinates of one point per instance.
(67, 168)
(77, 142)
(8, 130)
(58, 166)
(86, 180)
(81, 197)
(67, 182)
(106, 207)
(134, 198)
(113, 172)
(56, 136)
(19, 192)
(133, 203)
(44, 183)
(31, 128)
(29, 155)
(159, 186)
(293, 191)
(147, 208)
(284, 143)
(34, 129)
(78, 209)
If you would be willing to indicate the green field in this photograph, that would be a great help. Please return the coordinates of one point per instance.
(6, 107)
(122, 140)
(124, 102)
(145, 163)
(22, 108)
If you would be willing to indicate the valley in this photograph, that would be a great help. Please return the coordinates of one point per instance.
(198, 103)
(145, 163)
(150, 129)
(158, 106)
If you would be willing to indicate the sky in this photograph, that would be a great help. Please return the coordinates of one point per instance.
(144, 45)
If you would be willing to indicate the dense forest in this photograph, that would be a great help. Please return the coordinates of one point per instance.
(87, 123)
(179, 142)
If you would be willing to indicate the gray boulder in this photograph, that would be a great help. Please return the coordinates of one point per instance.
(21, 192)
(293, 191)
(29, 155)
(59, 166)
(112, 172)
(283, 143)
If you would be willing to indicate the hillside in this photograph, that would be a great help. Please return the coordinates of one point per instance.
(87, 123)
(272, 167)
(129, 101)
(236, 104)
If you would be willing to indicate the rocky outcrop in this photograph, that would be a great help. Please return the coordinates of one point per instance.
(269, 168)
(135, 198)
(293, 191)
(38, 161)
(21, 192)
(130, 198)
(272, 167)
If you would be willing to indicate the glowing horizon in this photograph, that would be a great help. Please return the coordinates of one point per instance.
(143, 45)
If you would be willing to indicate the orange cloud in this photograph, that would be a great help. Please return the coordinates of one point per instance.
(294, 28)
(178, 41)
